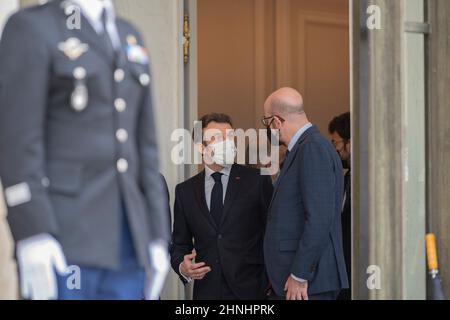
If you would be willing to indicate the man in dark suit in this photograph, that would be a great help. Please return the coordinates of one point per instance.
(340, 133)
(303, 241)
(79, 160)
(221, 213)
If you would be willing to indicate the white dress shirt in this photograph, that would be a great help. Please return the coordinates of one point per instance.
(93, 9)
(298, 135)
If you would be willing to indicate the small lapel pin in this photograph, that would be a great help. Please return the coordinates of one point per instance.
(73, 48)
(238, 178)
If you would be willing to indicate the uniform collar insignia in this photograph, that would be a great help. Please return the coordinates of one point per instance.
(73, 48)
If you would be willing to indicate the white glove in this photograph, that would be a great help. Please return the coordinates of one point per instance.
(160, 266)
(38, 258)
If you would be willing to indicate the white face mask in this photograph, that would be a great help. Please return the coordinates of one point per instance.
(224, 153)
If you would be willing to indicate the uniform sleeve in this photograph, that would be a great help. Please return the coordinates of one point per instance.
(149, 168)
(24, 71)
(318, 190)
(182, 237)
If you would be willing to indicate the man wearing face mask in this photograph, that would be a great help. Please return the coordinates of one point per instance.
(339, 130)
(219, 221)
(303, 241)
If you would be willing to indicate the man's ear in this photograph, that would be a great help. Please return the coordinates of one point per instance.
(348, 146)
(276, 123)
(200, 147)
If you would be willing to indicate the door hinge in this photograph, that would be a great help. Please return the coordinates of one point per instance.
(186, 38)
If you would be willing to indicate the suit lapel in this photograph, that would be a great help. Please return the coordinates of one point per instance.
(286, 166)
(290, 160)
(233, 188)
(123, 43)
(201, 199)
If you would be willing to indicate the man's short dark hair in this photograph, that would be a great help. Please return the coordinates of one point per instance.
(341, 125)
(213, 117)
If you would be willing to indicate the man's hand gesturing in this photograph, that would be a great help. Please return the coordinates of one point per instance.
(194, 271)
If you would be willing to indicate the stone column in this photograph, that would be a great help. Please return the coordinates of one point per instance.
(388, 151)
(438, 112)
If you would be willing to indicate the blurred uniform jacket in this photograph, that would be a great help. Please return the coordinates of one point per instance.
(66, 172)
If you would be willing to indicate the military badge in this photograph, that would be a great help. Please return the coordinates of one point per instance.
(135, 52)
(73, 48)
(80, 96)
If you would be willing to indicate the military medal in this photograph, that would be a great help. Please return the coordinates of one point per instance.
(73, 48)
(79, 98)
(135, 52)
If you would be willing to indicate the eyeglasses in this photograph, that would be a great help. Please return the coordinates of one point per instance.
(337, 142)
(267, 121)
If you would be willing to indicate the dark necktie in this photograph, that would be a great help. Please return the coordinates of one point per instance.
(106, 39)
(216, 205)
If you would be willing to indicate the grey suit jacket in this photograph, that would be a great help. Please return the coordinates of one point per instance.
(76, 168)
(304, 235)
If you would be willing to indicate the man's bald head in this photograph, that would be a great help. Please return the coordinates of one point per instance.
(285, 102)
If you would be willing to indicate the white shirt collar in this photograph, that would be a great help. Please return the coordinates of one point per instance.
(93, 9)
(225, 171)
(298, 135)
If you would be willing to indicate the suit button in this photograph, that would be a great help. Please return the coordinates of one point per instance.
(217, 261)
(122, 135)
(120, 105)
(79, 73)
(45, 182)
(144, 79)
(119, 75)
(122, 165)
(219, 237)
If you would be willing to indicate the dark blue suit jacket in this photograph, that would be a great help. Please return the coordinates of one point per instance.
(304, 235)
(233, 249)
